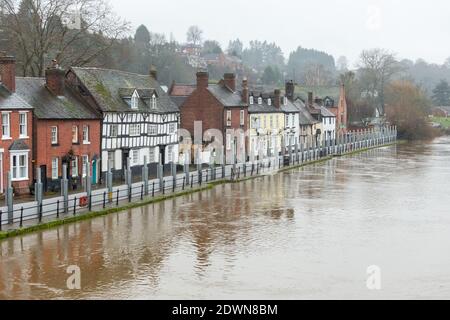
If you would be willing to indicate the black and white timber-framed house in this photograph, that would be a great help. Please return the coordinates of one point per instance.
(139, 118)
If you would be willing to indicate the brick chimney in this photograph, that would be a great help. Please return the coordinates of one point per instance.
(310, 100)
(54, 79)
(202, 79)
(153, 73)
(230, 80)
(290, 90)
(8, 72)
(245, 91)
(277, 99)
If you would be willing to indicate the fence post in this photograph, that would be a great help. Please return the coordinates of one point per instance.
(153, 189)
(21, 217)
(174, 173)
(104, 200)
(160, 173)
(1, 213)
(9, 199)
(145, 175)
(74, 206)
(57, 209)
(129, 179)
(64, 187)
(117, 197)
(109, 181)
(223, 162)
(88, 182)
(186, 172)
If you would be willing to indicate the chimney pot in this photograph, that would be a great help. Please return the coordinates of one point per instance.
(310, 100)
(54, 79)
(290, 90)
(245, 97)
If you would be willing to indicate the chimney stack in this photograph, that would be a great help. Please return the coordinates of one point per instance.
(245, 91)
(202, 80)
(153, 73)
(8, 72)
(290, 90)
(310, 100)
(277, 99)
(230, 80)
(54, 79)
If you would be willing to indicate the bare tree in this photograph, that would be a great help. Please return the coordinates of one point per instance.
(74, 32)
(342, 64)
(194, 35)
(377, 69)
(316, 75)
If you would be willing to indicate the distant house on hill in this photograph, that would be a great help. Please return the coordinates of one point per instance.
(441, 111)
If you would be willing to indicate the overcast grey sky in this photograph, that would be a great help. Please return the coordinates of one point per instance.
(413, 29)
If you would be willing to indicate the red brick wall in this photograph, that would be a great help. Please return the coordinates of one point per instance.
(202, 106)
(45, 151)
(20, 187)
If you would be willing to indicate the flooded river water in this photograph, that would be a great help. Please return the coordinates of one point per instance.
(309, 233)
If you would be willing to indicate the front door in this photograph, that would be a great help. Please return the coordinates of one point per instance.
(94, 171)
(162, 152)
(125, 156)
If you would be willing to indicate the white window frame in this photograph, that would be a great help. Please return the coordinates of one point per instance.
(86, 139)
(135, 130)
(135, 157)
(153, 104)
(84, 160)
(153, 129)
(74, 163)
(172, 128)
(54, 135)
(228, 141)
(242, 117)
(18, 155)
(23, 127)
(55, 168)
(75, 135)
(113, 133)
(269, 102)
(170, 157)
(252, 100)
(152, 155)
(135, 100)
(259, 100)
(6, 134)
(229, 118)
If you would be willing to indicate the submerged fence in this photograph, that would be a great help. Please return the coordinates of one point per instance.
(15, 216)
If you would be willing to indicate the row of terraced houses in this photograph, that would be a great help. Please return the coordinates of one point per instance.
(90, 120)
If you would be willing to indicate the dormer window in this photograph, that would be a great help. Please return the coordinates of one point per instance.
(153, 103)
(252, 100)
(269, 102)
(259, 100)
(285, 101)
(135, 100)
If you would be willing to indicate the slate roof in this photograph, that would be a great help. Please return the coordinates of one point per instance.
(105, 86)
(305, 117)
(19, 145)
(226, 97)
(325, 112)
(47, 105)
(9, 101)
(179, 100)
(264, 107)
(184, 90)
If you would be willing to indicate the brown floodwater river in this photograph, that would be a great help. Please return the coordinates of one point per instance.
(303, 234)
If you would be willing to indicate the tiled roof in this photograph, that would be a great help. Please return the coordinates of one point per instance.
(48, 106)
(305, 117)
(19, 145)
(225, 96)
(105, 86)
(10, 100)
(326, 113)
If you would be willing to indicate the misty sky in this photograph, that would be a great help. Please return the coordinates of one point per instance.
(413, 29)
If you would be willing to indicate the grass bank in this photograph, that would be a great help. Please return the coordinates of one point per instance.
(95, 214)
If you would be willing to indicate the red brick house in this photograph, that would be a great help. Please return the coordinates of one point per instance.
(219, 106)
(340, 111)
(65, 130)
(16, 130)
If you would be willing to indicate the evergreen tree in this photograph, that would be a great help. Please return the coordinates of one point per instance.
(441, 94)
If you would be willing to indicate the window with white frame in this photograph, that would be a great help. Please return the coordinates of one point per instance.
(229, 118)
(252, 100)
(135, 129)
(172, 128)
(259, 100)
(135, 157)
(151, 156)
(84, 163)
(113, 130)
(85, 134)
(242, 118)
(74, 134)
(170, 154)
(269, 102)
(55, 165)
(23, 131)
(19, 166)
(74, 165)
(6, 128)
(153, 129)
(153, 105)
(228, 141)
(54, 135)
(135, 100)
(112, 159)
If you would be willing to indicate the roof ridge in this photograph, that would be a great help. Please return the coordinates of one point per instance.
(114, 70)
